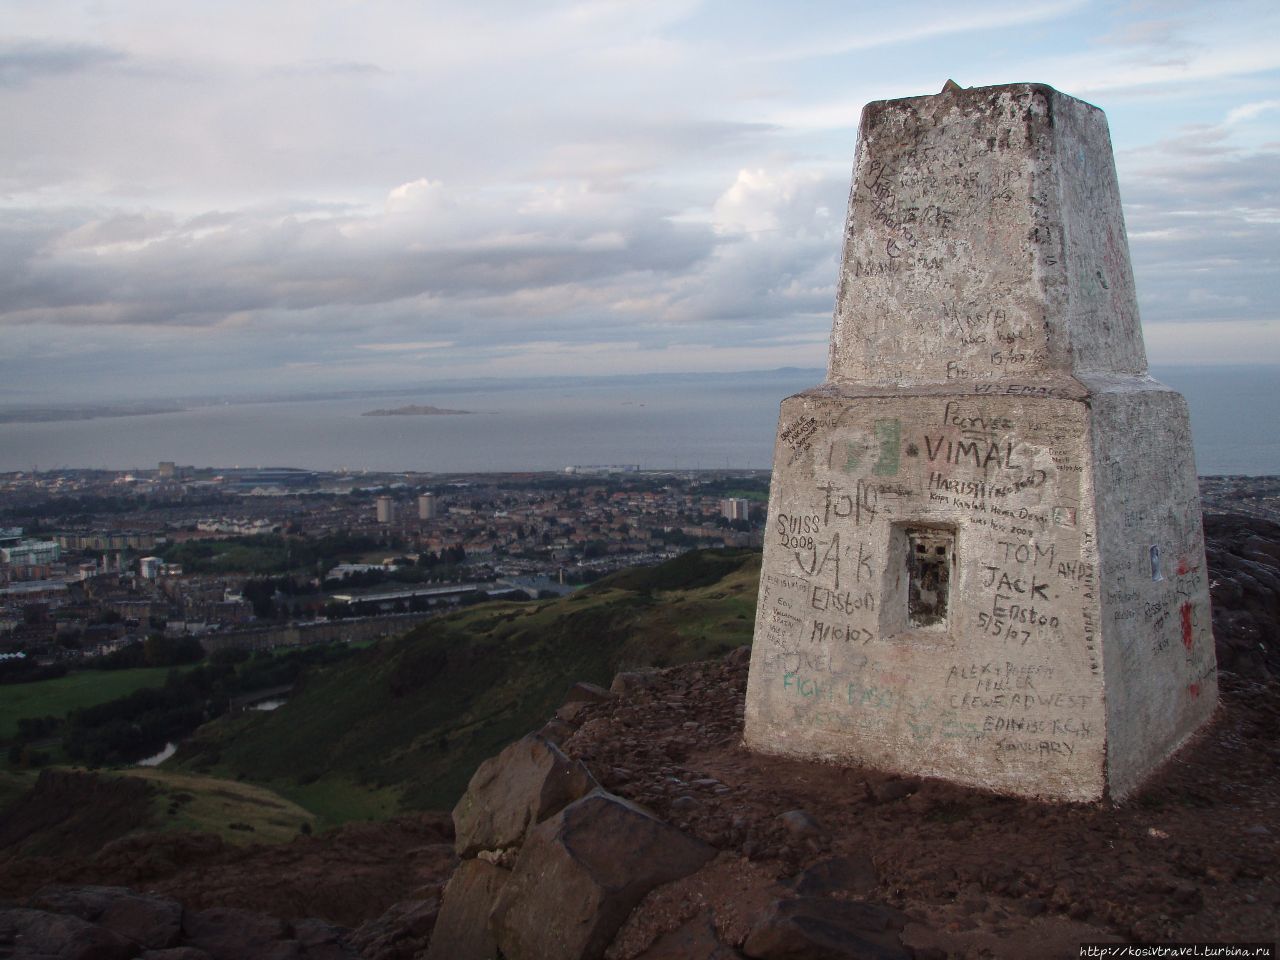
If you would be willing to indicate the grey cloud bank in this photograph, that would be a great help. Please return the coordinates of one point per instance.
(228, 194)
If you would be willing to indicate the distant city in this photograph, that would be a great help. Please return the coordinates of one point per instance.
(93, 562)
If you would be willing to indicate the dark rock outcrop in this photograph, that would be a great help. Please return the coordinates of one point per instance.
(40, 935)
(151, 922)
(112, 923)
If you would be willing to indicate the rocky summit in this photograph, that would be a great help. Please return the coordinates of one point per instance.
(635, 826)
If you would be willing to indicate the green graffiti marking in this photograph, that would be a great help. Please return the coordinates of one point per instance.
(852, 457)
(889, 436)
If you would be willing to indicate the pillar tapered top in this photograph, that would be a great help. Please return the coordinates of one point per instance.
(985, 241)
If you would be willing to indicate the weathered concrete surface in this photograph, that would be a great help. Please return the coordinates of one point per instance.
(984, 559)
(1159, 662)
(985, 243)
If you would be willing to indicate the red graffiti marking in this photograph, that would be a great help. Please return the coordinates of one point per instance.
(1185, 567)
(1188, 638)
(1194, 690)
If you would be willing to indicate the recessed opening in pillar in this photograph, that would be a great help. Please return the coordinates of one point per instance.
(928, 555)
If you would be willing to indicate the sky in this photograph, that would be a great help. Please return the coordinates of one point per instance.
(284, 195)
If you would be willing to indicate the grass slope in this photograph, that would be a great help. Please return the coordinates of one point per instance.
(238, 812)
(403, 725)
(68, 811)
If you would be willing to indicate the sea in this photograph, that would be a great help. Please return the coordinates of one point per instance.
(659, 422)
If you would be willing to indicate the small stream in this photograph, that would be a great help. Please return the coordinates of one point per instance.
(274, 703)
(156, 759)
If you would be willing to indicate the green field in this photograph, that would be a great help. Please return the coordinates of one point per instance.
(334, 801)
(403, 725)
(54, 698)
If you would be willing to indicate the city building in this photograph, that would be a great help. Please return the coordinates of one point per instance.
(427, 506)
(735, 508)
(99, 540)
(386, 508)
(31, 553)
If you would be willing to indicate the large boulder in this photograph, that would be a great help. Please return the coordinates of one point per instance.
(523, 785)
(151, 921)
(463, 931)
(813, 928)
(580, 874)
(40, 935)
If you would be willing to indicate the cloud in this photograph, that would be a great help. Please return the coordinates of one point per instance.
(204, 192)
(160, 269)
(1249, 111)
(1203, 215)
(758, 200)
(1163, 33)
(418, 196)
(414, 347)
(903, 29)
(25, 61)
(438, 279)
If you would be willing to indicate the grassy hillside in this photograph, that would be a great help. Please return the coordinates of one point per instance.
(73, 812)
(403, 725)
(238, 812)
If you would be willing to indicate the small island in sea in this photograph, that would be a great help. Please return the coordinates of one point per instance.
(415, 410)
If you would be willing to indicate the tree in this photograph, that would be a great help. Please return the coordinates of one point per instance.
(261, 593)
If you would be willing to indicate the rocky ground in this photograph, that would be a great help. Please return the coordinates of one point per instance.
(767, 856)
(1192, 858)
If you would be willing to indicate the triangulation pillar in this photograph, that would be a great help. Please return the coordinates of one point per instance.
(984, 558)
